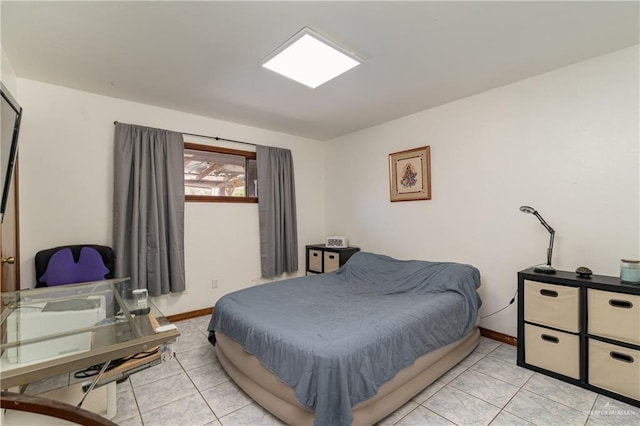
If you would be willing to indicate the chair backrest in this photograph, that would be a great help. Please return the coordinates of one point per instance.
(74, 264)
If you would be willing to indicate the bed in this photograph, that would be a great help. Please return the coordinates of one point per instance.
(348, 347)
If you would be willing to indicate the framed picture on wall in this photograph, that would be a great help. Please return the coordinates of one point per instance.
(410, 174)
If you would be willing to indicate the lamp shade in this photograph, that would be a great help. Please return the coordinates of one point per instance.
(527, 209)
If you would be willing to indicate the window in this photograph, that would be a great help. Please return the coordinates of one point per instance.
(217, 174)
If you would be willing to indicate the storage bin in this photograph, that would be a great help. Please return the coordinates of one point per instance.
(552, 350)
(331, 261)
(315, 261)
(614, 315)
(614, 368)
(552, 305)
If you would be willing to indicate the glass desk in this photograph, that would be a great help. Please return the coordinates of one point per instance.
(55, 330)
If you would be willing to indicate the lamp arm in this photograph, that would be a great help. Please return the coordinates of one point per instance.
(550, 249)
(542, 221)
(551, 231)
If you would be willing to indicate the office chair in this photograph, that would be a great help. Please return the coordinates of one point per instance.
(74, 264)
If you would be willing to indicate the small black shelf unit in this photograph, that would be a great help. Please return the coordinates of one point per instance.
(584, 286)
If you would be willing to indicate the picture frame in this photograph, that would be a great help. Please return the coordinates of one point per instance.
(410, 174)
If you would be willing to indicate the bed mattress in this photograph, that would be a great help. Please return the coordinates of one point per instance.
(279, 399)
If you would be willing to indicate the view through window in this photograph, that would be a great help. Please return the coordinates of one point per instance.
(219, 174)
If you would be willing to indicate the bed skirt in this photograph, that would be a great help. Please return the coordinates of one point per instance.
(278, 398)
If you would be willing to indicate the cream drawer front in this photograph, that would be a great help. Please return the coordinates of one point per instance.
(552, 305)
(614, 315)
(315, 260)
(552, 350)
(331, 261)
(614, 368)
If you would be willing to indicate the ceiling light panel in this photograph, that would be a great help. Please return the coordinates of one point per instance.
(310, 59)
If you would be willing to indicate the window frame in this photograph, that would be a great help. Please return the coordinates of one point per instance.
(248, 155)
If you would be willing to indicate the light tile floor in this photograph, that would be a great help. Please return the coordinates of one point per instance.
(486, 388)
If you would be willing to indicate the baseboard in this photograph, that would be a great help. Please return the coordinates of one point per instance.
(191, 314)
(504, 338)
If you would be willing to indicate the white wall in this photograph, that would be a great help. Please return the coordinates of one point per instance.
(8, 74)
(66, 188)
(565, 142)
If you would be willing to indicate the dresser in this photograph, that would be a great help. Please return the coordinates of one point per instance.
(321, 259)
(585, 331)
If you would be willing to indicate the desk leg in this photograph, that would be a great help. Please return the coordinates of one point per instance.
(93, 384)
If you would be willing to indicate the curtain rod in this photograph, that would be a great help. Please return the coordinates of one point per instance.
(204, 136)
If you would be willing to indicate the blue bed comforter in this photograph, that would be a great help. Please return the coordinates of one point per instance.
(336, 338)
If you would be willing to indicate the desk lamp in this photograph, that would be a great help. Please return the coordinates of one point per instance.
(545, 269)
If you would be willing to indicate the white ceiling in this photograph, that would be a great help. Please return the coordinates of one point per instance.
(204, 57)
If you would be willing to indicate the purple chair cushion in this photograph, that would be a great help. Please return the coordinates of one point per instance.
(63, 269)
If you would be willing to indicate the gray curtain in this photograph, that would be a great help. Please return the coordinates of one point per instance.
(277, 211)
(148, 208)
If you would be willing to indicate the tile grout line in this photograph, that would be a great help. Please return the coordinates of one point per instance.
(218, 418)
(139, 415)
(466, 368)
(434, 394)
(488, 375)
(511, 399)
(473, 396)
(200, 393)
(135, 398)
(558, 402)
(501, 409)
(197, 389)
(592, 408)
(513, 396)
(184, 397)
(400, 419)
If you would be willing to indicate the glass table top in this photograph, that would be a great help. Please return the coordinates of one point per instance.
(53, 330)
